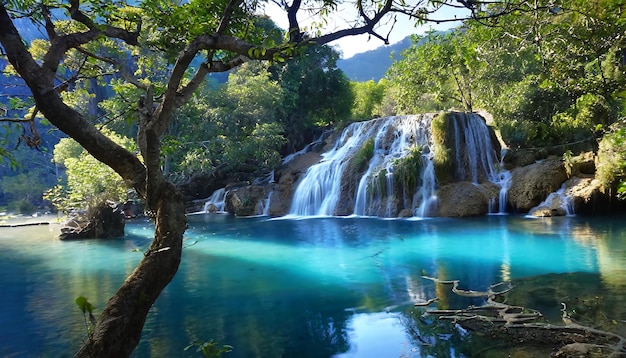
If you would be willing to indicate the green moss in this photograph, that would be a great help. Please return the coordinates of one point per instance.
(407, 171)
(363, 156)
(442, 160)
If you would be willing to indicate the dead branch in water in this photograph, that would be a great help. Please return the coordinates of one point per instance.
(516, 325)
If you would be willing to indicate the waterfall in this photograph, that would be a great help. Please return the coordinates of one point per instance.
(476, 156)
(266, 204)
(397, 176)
(216, 202)
(376, 193)
(319, 190)
(426, 195)
(557, 202)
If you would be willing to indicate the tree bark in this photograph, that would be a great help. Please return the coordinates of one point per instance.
(119, 326)
(118, 329)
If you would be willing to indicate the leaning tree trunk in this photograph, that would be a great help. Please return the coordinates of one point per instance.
(119, 327)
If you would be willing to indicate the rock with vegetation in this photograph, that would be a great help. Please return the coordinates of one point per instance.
(105, 220)
(246, 200)
(588, 196)
(533, 183)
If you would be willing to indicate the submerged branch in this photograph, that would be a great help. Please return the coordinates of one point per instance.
(516, 325)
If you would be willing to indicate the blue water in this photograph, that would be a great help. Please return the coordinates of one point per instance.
(291, 288)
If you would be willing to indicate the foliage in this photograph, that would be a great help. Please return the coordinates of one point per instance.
(548, 77)
(210, 349)
(441, 64)
(237, 123)
(368, 99)
(316, 93)
(87, 309)
(611, 160)
(442, 159)
(362, 157)
(407, 171)
(88, 180)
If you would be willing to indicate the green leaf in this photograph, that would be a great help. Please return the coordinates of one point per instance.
(84, 305)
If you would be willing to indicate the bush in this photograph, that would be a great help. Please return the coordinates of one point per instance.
(611, 162)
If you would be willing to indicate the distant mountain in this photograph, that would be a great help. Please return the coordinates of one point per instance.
(372, 65)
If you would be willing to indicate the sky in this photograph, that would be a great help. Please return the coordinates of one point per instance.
(349, 46)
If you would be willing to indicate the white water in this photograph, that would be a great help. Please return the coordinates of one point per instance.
(476, 156)
(319, 191)
(218, 199)
(377, 194)
(557, 199)
(265, 204)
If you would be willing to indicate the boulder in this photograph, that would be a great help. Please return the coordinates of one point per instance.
(246, 200)
(582, 165)
(462, 199)
(588, 196)
(515, 158)
(556, 204)
(106, 220)
(531, 184)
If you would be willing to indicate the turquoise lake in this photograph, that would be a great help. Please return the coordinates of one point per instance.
(315, 287)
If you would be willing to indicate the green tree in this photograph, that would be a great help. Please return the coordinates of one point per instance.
(238, 124)
(88, 180)
(440, 64)
(368, 99)
(316, 93)
(196, 37)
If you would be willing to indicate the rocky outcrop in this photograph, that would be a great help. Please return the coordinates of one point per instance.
(588, 196)
(104, 221)
(246, 200)
(582, 165)
(286, 180)
(464, 199)
(523, 157)
(533, 183)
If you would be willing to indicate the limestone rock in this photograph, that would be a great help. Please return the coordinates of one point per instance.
(247, 200)
(533, 183)
(583, 165)
(287, 179)
(523, 157)
(462, 199)
(588, 196)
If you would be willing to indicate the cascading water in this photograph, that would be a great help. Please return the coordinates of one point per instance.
(216, 201)
(476, 156)
(318, 192)
(376, 194)
(399, 177)
(558, 203)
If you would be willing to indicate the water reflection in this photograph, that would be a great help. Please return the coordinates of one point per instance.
(308, 288)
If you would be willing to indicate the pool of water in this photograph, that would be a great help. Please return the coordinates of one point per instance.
(321, 287)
